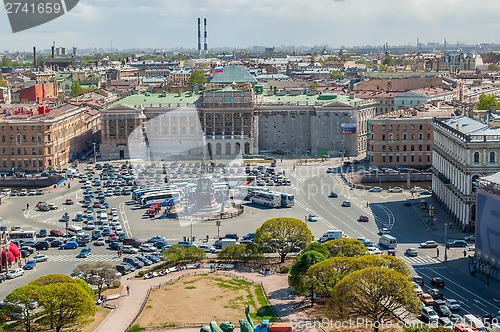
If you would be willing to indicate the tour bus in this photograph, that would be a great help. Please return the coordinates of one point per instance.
(138, 193)
(388, 241)
(23, 235)
(245, 192)
(287, 200)
(75, 230)
(264, 198)
(164, 198)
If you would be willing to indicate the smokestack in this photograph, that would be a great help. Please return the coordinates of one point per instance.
(199, 35)
(53, 51)
(34, 57)
(205, 47)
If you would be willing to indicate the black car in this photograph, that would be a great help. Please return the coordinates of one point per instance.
(437, 281)
(333, 195)
(56, 244)
(443, 311)
(218, 244)
(249, 236)
(457, 244)
(42, 245)
(436, 294)
(232, 236)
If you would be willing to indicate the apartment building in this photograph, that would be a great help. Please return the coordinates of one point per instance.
(403, 138)
(464, 150)
(36, 138)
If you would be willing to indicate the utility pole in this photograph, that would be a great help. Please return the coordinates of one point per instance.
(95, 157)
(445, 243)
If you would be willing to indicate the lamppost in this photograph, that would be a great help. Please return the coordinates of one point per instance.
(445, 243)
(95, 157)
(431, 215)
(191, 229)
(487, 271)
(217, 223)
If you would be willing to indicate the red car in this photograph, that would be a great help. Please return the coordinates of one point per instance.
(68, 201)
(56, 232)
(363, 219)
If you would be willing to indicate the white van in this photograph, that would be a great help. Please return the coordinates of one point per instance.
(388, 241)
(331, 234)
(75, 230)
(474, 322)
(6, 192)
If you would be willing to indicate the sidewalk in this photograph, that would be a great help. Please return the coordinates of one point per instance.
(281, 298)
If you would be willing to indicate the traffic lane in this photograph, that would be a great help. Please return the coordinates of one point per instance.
(474, 295)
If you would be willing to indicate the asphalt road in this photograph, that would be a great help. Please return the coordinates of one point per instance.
(311, 186)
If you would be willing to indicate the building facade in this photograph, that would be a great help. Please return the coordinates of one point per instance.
(464, 150)
(36, 139)
(403, 138)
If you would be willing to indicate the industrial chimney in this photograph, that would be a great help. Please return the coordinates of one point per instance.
(53, 51)
(205, 47)
(34, 57)
(199, 35)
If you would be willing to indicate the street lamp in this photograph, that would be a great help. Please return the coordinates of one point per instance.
(95, 157)
(487, 271)
(191, 229)
(431, 215)
(445, 243)
(217, 223)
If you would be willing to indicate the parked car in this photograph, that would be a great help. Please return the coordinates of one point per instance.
(69, 201)
(144, 260)
(395, 190)
(100, 242)
(42, 233)
(384, 230)
(154, 239)
(115, 245)
(154, 258)
(452, 304)
(147, 248)
(375, 190)
(436, 294)
(30, 265)
(42, 245)
(56, 244)
(416, 288)
(128, 249)
(426, 299)
(429, 244)
(56, 232)
(12, 274)
(69, 245)
(457, 244)
(437, 281)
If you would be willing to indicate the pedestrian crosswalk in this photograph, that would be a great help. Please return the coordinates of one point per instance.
(421, 260)
(111, 258)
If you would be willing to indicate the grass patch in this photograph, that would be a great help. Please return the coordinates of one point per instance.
(190, 287)
(233, 284)
(265, 311)
(261, 299)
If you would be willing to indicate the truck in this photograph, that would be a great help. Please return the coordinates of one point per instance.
(388, 241)
(331, 234)
(227, 242)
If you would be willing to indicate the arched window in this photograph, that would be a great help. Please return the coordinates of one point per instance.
(383, 137)
(476, 157)
(493, 157)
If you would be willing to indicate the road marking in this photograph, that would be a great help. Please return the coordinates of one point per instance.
(479, 302)
(126, 226)
(495, 300)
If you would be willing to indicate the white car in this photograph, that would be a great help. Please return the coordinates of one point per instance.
(416, 288)
(375, 190)
(452, 304)
(12, 274)
(90, 225)
(395, 190)
(40, 258)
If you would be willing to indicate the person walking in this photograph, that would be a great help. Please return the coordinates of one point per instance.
(465, 253)
(27, 206)
(128, 290)
(437, 252)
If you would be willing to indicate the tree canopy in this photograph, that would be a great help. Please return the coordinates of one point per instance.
(323, 276)
(319, 247)
(283, 235)
(336, 75)
(303, 262)
(179, 254)
(239, 252)
(375, 293)
(97, 274)
(21, 303)
(346, 247)
(197, 77)
(486, 101)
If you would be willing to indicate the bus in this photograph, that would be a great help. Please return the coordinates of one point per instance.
(268, 198)
(164, 198)
(246, 192)
(287, 200)
(22, 235)
(137, 194)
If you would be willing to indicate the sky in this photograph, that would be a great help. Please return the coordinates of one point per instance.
(170, 24)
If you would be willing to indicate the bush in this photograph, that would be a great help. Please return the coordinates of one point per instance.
(135, 328)
(284, 269)
(116, 284)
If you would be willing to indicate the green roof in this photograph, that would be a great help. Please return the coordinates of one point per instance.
(156, 99)
(233, 74)
(402, 74)
(316, 99)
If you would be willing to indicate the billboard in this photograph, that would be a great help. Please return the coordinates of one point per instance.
(488, 225)
(348, 128)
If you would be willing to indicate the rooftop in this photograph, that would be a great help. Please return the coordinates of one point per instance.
(233, 74)
(157, 99)
(400, 75)
(413, 113)
(310, 99)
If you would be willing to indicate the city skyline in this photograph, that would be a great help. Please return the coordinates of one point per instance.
(168, 24)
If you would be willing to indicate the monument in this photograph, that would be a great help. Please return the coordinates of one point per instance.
(204, 196)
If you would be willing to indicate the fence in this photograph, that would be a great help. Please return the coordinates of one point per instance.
(192, 324)
(215, 216)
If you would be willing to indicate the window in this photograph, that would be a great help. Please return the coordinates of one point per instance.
(40, 152)
(420, 127)
(397, 159)
(420, 148)
(404, 127)
(33, 151)
(390, 127)
(397, 137)
(383, 127)
(412, 148)
(428, 147)
(383, 159)
(412, 137)
(18, 152)
(412, 158)
(383, 137)
(18, 138)
(25, 151)
(12, 151)
(390, 137)
(39, 138)
(49, 150)
(492, 158)
(383, 148)
(405, 137)
(428, 157)
(412, 127)
(390, 158)
(397, 147)
(420, 136)
(3, 138)
(390, 148)
(428, 135)
(420, 158)
(476, 157)
(404, 159)
(404, 147)
(11, 138)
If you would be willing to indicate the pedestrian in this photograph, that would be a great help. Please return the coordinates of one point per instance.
(367, 204)
(437, 252)
(27, 206)
(465, 253)
(128, 290)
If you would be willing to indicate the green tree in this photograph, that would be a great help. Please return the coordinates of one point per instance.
(346, 247)
(319, 247)
(388, 61)
(97, 274)
(375, 293)
(299, 269)
(76, 89)
(179, 254)
(336, 75)
(67, 305)
(386, 261)
(283, 235)
(20, 302)
(323, 276)
(197, 77)
(486, 101)
(240, 252)
(493, 67)
(3, 83)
